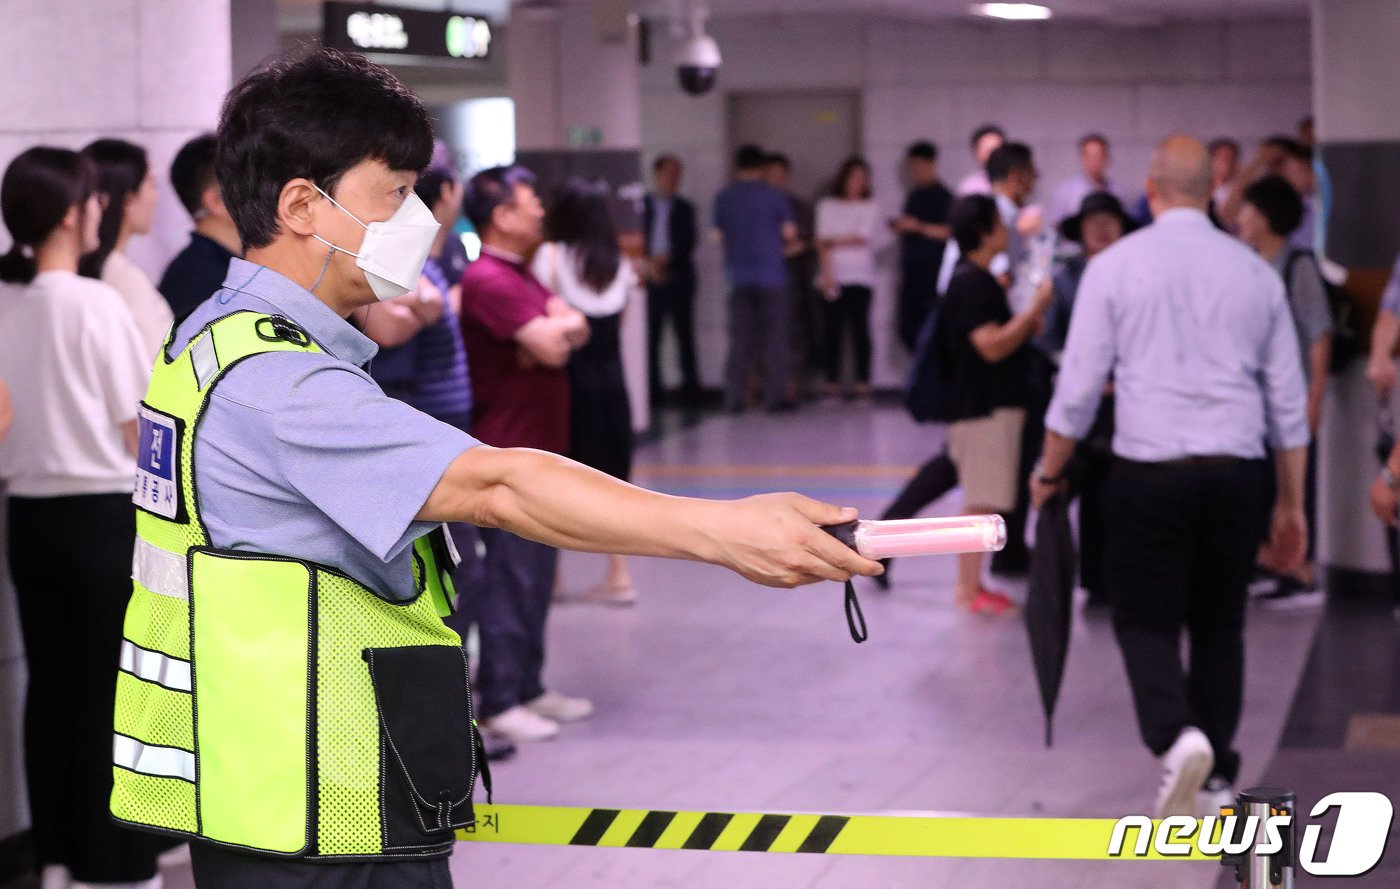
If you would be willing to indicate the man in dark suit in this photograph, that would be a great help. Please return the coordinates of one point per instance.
(669, 227)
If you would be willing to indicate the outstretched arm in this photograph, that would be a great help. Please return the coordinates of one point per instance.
(772, 539)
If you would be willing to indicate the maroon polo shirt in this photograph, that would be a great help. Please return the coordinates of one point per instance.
(515, 403)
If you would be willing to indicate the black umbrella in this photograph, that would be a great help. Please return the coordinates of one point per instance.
(1049, 598)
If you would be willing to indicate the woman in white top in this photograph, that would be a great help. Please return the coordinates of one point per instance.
(846, 227)
(129, 190)
(583, 264)
(73, 361)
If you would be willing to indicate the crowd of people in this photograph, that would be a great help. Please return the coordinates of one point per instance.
(1151, 357)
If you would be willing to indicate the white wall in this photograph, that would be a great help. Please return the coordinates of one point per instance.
(1045, 84)
(152, 71)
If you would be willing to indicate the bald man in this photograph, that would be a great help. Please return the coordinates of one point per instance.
(1194, 331)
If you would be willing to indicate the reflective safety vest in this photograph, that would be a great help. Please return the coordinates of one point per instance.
(270, 703)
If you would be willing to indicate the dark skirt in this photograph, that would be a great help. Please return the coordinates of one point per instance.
(71, 562)
(600, 416)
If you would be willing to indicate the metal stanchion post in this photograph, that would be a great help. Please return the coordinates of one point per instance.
(1273, 871)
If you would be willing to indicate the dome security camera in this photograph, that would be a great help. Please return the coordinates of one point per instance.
(697, 63)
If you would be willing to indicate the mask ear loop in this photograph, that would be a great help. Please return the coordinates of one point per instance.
(325, 265)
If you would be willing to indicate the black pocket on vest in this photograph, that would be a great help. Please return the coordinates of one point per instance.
(429, 752)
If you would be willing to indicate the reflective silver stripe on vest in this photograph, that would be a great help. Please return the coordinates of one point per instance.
(148, 759)
(152, 666)
(204, 359)
(162, 572)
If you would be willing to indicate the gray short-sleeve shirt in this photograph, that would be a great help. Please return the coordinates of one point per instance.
(303, 455)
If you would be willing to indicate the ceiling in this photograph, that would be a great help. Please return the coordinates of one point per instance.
(305, 14)
(1143, 11)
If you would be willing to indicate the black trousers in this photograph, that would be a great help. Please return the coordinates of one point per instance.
(760, 328)
(511, 606)
(917, 294)
(849, 312)
(218, 868)
(934, 479)
(1179, 553)
(1015, 557)
(672, 301)
(70, 558)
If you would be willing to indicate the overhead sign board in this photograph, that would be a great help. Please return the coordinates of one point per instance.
(381, 29)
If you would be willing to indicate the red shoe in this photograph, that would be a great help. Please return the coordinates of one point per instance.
(990, 603)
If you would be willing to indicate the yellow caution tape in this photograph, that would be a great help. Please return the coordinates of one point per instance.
(886, 835)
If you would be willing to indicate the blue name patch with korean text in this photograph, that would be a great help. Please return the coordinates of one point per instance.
(157, 476)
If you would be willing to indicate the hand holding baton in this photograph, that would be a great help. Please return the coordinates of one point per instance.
(914, 537)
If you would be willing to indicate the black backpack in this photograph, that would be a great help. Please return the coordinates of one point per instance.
(1346, 341)
(926, 394)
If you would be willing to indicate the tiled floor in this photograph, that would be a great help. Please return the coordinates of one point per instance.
(715, 693)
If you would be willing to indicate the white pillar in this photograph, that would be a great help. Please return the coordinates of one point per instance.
(1358, 125)
(573, 73)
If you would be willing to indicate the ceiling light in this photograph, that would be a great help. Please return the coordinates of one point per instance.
(1018, 12)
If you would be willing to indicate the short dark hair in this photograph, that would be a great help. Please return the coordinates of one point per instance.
(39, 188)
(663, 160)
(923, 151)
(192, 171)
(986, 129)
(973, 218)
(1007, 159)
(1278, 201)
(1088, 138)
(838, 185)
(1217, 144)
(430, 183)
(781, 160)
(490, 189)
(314, 114)
(121, 168)
(749, 157)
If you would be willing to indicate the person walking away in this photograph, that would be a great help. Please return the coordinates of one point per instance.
(1270, 213)
(1196, 334)
(983, 348)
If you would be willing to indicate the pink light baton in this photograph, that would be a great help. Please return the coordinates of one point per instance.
(923, 537)
(914, 537)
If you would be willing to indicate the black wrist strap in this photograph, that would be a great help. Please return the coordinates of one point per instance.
(855, 618)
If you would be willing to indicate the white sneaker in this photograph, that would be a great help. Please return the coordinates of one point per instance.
(1218, 794)
(521, 725)
(156, 882)
(554, 706)
(1184, 769)
(55, 876)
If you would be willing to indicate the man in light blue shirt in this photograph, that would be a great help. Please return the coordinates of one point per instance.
(1195, 333)
(301, 454)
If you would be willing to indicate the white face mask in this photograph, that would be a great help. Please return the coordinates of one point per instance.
(393, 251)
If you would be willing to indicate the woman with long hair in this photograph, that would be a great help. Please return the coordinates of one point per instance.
(582, 263)
(847, 225)
(73, 360)
(128, 191)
